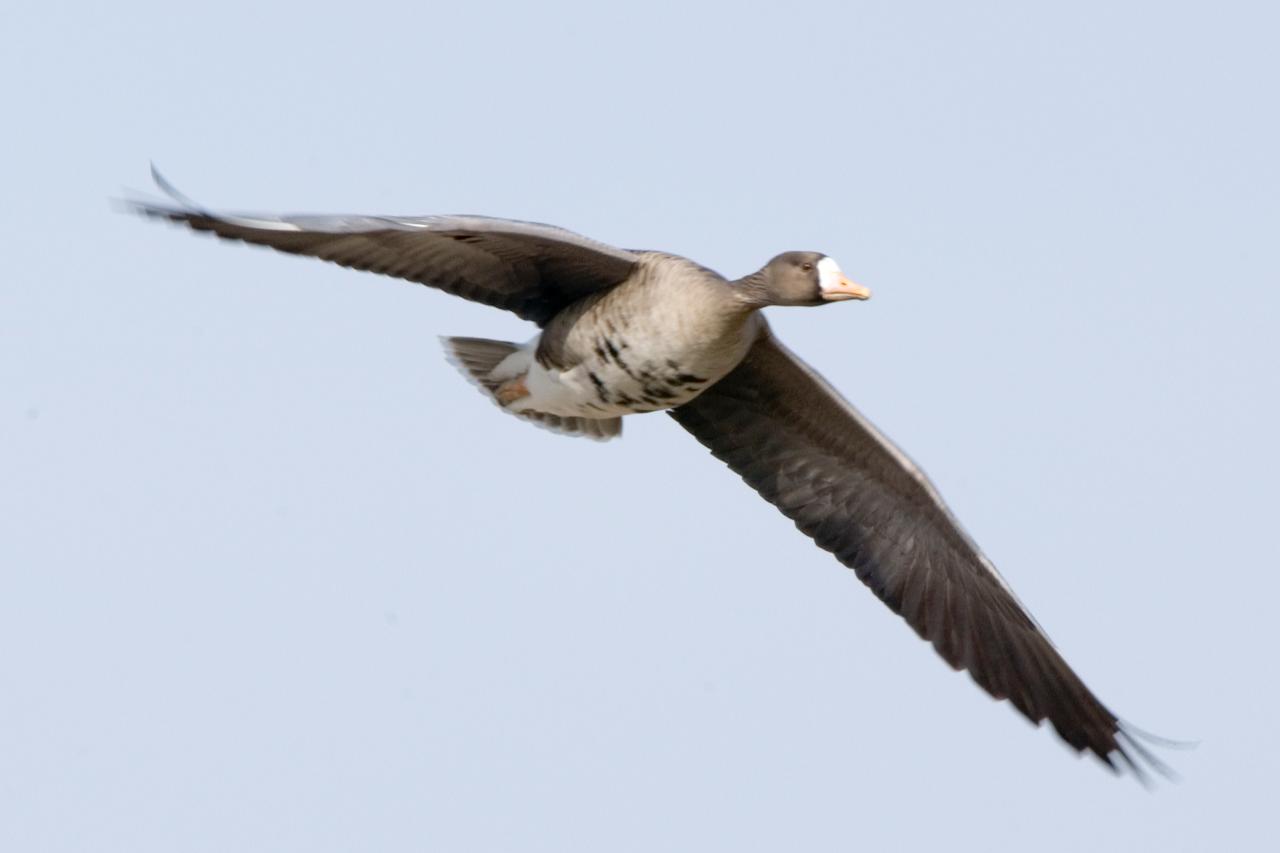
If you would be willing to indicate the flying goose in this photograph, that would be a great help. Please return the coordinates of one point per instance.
(628, 332)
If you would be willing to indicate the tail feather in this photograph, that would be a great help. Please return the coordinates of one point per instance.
(478, 358)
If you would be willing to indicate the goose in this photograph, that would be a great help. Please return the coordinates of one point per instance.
(626, 332)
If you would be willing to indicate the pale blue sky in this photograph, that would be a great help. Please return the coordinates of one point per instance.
(273, 577)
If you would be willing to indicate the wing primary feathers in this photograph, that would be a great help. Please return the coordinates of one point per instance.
(786, 432)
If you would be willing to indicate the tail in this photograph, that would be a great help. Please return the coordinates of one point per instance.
(478, 358)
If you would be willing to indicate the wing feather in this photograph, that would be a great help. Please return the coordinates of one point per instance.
(781, 427)
(528, 268)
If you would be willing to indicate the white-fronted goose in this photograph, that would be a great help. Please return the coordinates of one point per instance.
(627, 332)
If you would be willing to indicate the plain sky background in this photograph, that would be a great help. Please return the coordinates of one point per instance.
(273, 577)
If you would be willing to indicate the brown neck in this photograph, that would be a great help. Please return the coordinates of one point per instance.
(751, 290)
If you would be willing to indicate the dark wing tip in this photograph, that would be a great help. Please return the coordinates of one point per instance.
(172, 192)
(138, 203)
(1131, 745)
(1128, 754)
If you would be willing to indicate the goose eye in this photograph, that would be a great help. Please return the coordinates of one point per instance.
(807, 267)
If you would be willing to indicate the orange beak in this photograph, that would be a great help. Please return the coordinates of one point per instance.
(845, 289)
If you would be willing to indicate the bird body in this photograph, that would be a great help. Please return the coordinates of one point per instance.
(654, 342)
(626, 333)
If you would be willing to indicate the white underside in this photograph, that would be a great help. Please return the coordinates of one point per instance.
(550, 392)
(559, 393)
(573, 394)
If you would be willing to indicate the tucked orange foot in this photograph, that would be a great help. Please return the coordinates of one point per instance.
(511, 390)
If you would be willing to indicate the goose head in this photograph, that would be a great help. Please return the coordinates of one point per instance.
(800, 278)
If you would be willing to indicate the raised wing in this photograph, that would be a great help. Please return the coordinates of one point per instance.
(530, 269)
(793, 439)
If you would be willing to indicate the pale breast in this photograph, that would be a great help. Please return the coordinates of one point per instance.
(654, 342)
(628, 381)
